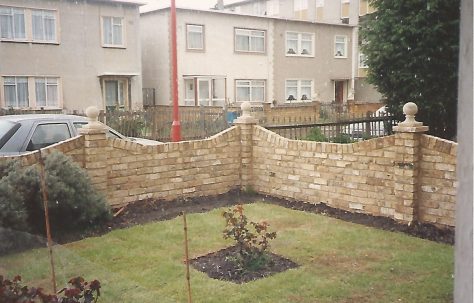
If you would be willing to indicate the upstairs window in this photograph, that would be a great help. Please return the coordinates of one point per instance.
(195, 37)
(112, 31)
(340, 46)
(298, 90)
(16, 91)
(44, 25)
(46, 92)
(12, 23)
(299, 44)
(248, 40)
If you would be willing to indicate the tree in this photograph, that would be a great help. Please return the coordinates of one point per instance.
(412, 52)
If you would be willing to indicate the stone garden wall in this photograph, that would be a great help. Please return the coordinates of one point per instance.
(407, 176)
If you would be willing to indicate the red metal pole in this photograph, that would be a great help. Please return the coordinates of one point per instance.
(176, 127)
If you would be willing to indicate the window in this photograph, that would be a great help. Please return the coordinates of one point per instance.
(362, 60)
(46, 92)
(47, 134)
(299, 44)
(44, 25)
(298, 90)
(345, 8)
(247, 40)
(12, 23)
(250, 90)
(115, 93)
(319, 3)
(16, 91)
(195, 36)
(340, 47)
(300, 5)
(112, 31)
(205, 90)
(189, 94)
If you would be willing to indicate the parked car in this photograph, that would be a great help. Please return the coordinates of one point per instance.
(359, 131)
(23, 133)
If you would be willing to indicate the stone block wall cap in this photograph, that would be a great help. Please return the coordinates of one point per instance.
(410, 129)
(245, 120)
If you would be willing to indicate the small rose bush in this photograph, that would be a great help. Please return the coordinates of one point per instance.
(252, 238)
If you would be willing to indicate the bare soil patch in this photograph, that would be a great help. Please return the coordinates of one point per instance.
(218, 265)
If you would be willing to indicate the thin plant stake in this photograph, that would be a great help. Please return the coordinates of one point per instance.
(186, 254)
(44, 191)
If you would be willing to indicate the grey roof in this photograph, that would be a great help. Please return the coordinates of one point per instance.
(225, 12)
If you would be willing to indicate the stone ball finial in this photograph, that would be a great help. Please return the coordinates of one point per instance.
(410, 109)
(246, 107)
(92, 114)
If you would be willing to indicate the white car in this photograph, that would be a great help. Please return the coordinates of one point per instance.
(376, 128)
(24, 133)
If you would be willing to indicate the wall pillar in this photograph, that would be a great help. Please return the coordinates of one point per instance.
(95, 149)
(407, 165)
(246, 123)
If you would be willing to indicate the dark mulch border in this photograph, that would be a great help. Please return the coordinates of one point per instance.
(217, 266)
(141, 212)
(420, 230)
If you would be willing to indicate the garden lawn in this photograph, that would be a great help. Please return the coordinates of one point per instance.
(339, 262)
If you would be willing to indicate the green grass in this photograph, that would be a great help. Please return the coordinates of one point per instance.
(339, 262)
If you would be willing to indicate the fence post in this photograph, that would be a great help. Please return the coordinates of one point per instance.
(407, 164)
(95, 149)
(246, 123)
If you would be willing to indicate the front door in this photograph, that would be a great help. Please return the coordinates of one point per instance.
(204, 92)
(339, 94)
(115, 94)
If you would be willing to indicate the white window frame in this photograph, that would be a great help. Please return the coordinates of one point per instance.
(16, 78)
(122, 27)
(344, 56)
(299, 43)
(247, 32)
(300, 5)
(44, 16)
(188, 30)
(22, 36)
(251, 85)
(122, 92)
(51, 83)
(298, 91)
(319, 3)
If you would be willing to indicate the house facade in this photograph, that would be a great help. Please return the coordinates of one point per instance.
(324, 11)
(227, 58)
(68, 55)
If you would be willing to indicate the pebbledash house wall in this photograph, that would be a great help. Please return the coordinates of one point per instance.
(408, 176)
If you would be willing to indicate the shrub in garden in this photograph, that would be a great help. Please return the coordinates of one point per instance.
(315, 134)
(342, 138)
(252, 239)
(77, 291)
(74, 205)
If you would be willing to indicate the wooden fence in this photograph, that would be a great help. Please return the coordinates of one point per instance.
(155, 122)
(345, 130)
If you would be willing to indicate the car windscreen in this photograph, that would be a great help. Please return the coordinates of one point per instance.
(7, 129)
